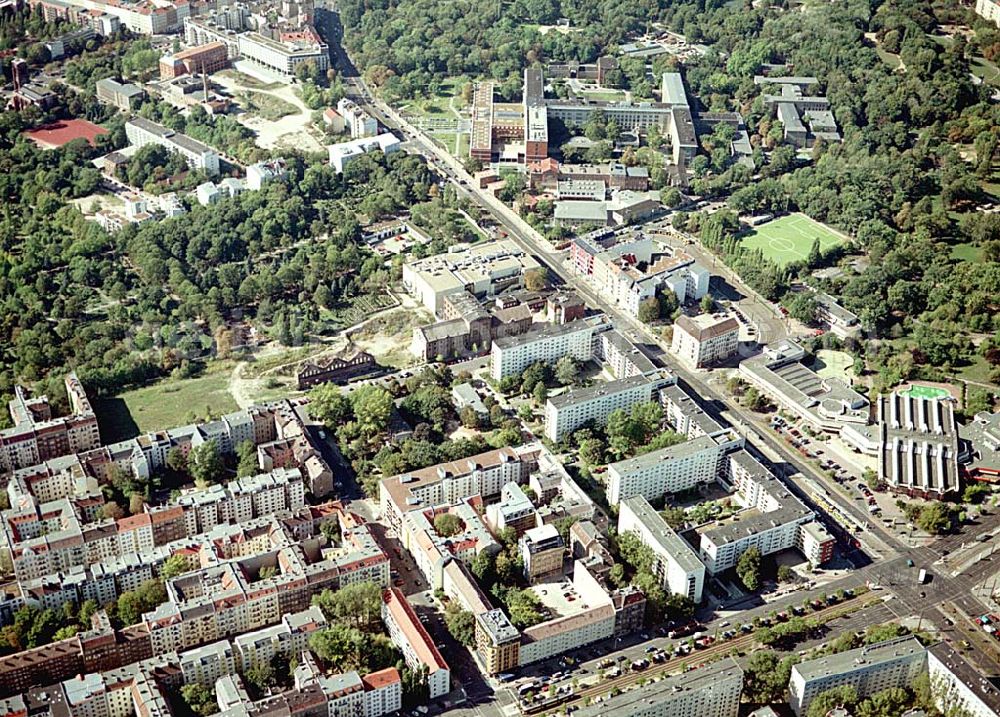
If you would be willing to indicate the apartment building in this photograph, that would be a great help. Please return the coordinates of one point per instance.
(144, 17)
(511, 355)
(431, 550)
(570, 410)
(710, 691)
(677, 565)
(124, 96)
(620, 356)
(261, 173)
(772, 519)
(918, 445)
(686, 416)
(498, 642)
(283, 53)
(142, 132)
(287, 639)
(346, 152)
(870, 669)
(705, 340)
(481, 269)
(417, 646)
(671, 470)
(514, 510)
(582, 611)
(989, 10)
(483, 474)
(38, 436)
(358, 122)
(542, 550)
(958, 687)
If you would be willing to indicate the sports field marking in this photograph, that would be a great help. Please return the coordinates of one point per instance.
(790, 238)
(928, 392)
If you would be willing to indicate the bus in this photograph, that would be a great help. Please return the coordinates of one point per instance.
(505, 676)
(922, 576)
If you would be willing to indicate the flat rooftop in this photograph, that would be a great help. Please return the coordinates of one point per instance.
(854, 659)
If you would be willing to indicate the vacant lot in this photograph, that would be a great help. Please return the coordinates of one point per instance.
(790, 238)
(165, 404)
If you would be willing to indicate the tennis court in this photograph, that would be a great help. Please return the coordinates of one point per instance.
(790, 238)
(929, 392)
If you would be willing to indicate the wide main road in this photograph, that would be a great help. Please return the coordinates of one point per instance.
(893, 568)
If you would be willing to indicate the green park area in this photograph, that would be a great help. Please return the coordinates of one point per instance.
(790, 238)
(165, 404)
(834, 364)
(927, 392)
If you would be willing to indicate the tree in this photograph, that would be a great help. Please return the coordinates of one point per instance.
(845, 696)
(199, 698)
(707, 304)
(786, 574)
(748, 569)
(329, 405)
(766, 677)
(567, 371)
(540, 394)
(260, 676)
(802, 306)
(935, 518)
(592, 452)
(205, 464)
(112, 511)
(447, 524)
(246, 455)
(176, 460)
(173, 566)
(673, 516)
(536, 279)
(461, 624)
(372, 406)
(649, 310)
(358, 605)
(469, 417)
(524, 607)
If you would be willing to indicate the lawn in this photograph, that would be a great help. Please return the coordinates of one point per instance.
(603, 95)
(790, 238)
(438, 104)
(165, 404)
(267, 106)
(966, 252)
(834, 364)
(927, 392)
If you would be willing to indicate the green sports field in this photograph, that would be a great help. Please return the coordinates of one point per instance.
(930, 392)
(790, 238)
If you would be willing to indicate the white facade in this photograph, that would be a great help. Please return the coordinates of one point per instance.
(283, 57)
(670, 470)
(704, 340)
(510, 355)
(141, 132)
(344, 153)
(677, 564)
(891, 664)
(989, 9)
(358, 122)
(568, 411)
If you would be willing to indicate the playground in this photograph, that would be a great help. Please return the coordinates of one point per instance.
(790, 238)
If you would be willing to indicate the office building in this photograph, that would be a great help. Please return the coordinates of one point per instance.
(677, 565)
(481, 269)
(511, 355)
(704, 340)
(870, 669)
(123, 96)
(671, 470)
(710, 691)
(417, 646)
(282, 54)
(826, 404)
(578, 406)
(918, 445)
(141, 132)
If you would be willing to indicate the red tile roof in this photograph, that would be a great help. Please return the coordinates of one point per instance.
(381, 679)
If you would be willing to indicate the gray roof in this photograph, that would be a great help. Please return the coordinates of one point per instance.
(666, 539)
(666, 690)
(687, 448)
(581, 210)
(542, 333)
(672, 88)
(853, 659)
(582, 395)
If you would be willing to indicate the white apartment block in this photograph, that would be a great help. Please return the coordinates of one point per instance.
(346, 152)
(677, 564)
(358, 122)
(570, 410)
(710, 691)
(510, 355)
(142, 18)
(141, 132)
(670, 470)
(870, 669)
(705, 340)
(959, 688)
(283, 55)
(989, 9)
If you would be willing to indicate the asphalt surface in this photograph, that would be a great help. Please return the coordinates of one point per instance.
(891, 571)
